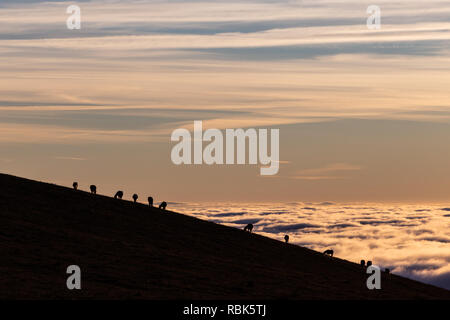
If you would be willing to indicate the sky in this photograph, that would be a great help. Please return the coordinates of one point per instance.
(364, 115)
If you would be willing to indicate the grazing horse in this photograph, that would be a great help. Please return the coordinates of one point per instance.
(163, 205)
(248, 227)
(93, 189)
(328, 252)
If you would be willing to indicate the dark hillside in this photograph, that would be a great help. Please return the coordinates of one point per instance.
(128, 250)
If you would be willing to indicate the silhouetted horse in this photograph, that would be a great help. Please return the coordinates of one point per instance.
(328, 252)
(118, 195)
(163, 205)
(248, 227)
(93, 189)
(286, 238)
(150, 201)
(135, 197)
(75, 185)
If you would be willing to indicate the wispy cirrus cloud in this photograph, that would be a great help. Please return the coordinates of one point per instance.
(70, 158)
(164, 49)
(328, 172)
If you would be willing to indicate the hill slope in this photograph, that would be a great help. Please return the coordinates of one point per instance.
(128, 250)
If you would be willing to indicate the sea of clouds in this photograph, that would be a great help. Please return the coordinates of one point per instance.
(411, 240)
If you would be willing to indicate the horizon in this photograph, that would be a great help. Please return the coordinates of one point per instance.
(128, 197)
